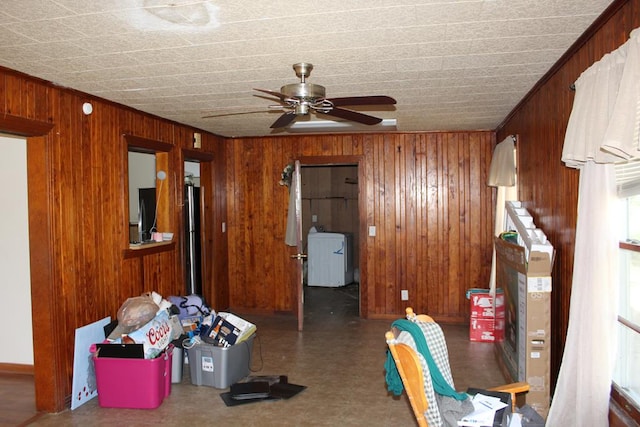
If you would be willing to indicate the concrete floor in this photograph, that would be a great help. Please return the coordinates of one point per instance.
(338, 356)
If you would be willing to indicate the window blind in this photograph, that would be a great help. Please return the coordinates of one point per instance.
(628, 178)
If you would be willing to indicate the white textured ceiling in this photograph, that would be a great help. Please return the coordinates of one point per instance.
(450, 64)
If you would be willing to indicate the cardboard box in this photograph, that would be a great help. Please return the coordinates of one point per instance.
(227, 329)
(486, 312)
(525, 350)
(482, 330)
(219, 367)
(133, 383)
(156, 335)
(533, 239)
(482, 305)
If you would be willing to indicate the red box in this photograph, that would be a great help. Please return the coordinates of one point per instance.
(486, 323)
(482, 305)
(499, 310)
(133, 383)
(482, 330)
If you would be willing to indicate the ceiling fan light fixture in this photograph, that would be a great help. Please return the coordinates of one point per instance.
(339, 126)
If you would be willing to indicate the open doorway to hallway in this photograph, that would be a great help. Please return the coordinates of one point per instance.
(331, 235)
(14, 254)
(17, 389)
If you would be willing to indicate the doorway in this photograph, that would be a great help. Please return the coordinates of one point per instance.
(198, 193)
(14, 247)
(192, 229)
(330, 205)
(17, 383)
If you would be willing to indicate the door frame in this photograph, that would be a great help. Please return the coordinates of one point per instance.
(47, 349)
(358, 161)
(207, 196)
(300, 256)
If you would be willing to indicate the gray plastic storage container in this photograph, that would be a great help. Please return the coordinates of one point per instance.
(220, 367)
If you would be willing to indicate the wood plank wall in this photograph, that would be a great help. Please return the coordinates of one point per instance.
(548, 189)
(77, 183)
(425, 193)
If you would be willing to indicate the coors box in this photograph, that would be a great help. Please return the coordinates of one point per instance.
(155, 335)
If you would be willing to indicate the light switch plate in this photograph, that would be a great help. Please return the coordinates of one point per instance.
(372, 231)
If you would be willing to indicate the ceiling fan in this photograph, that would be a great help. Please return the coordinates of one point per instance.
(299, 99)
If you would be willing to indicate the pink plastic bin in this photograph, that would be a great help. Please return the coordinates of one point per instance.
(133, 383)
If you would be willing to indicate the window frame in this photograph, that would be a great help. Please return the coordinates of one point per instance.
(621, 400)
(163, 152)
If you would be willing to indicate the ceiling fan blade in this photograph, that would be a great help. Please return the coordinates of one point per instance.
(284, 120)
(362, 100)
(268, 98)
(352, 116)
(278, 95)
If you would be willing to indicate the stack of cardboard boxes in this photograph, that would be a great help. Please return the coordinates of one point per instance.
(523, 274)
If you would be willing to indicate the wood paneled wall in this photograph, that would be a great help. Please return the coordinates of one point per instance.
(548, 189)
(425, 192)
(81, 270)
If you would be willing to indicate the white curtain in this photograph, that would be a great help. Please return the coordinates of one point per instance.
(502, 174)
(581, 396)
(596, 91)
(502, 171)
(623, 133)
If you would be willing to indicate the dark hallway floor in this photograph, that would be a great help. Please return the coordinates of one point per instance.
(338, 356)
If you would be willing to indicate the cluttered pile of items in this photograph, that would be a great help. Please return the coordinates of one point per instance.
(145, 349)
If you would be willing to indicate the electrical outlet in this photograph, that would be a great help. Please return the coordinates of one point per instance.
(314, 218)
(404, 295)
(372, 231)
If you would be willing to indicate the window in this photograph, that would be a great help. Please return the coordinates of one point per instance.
(142, 196)
(147, 199)
(627, 375)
